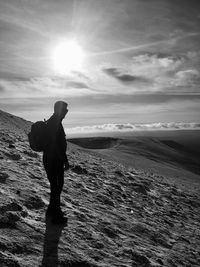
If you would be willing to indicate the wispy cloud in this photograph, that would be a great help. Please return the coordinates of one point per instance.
(16, 86)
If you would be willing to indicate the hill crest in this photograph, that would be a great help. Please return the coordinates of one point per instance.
(14, 123)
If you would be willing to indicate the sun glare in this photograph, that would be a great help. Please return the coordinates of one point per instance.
(67, 56)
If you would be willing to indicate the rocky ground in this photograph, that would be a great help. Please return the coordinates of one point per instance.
(116, 216)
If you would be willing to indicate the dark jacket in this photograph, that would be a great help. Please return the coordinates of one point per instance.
(56, 144)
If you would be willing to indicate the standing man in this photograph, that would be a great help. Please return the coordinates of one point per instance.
(55, 160)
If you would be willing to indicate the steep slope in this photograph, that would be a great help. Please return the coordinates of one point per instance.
(13, 123)
(116, 216)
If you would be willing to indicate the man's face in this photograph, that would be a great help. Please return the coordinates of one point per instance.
(64, 112)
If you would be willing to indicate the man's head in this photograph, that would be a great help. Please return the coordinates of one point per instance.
(60, 109)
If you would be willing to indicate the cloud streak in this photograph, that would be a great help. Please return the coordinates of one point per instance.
(24, 24)
(147, 45)
(16, 86)
(128, 127)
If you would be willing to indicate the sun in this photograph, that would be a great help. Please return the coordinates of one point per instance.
(67, 56)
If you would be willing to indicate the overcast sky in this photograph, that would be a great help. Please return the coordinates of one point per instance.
(141, 65)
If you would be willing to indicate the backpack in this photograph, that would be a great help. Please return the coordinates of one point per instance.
(37, 136)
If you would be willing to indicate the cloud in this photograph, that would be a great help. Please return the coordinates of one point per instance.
(76, 84)
(187, 77)
(152, 73)
(188, 74)
(154, 65)
(124, 77)
(128, 78)
(193, 55)
(128, 127)
(9, 76)
(160, 72)
(1, 88)
(81, 75)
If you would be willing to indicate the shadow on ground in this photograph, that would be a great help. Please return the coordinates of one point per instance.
(51, 241)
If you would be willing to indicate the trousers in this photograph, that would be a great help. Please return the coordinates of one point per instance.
(55, 174)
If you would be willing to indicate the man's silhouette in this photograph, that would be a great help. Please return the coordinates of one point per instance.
(55, 160)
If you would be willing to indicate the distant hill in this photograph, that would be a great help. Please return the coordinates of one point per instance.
(166, 154)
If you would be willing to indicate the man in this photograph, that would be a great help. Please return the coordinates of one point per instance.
(55, 160)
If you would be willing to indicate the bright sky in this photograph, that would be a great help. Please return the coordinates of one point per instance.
(113, 61)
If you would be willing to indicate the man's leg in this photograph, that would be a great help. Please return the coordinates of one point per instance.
(55, 175)
(60, 177)
(50, 168)
(59, 185)
(58, 217)
(54, 203)
(56, 179)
